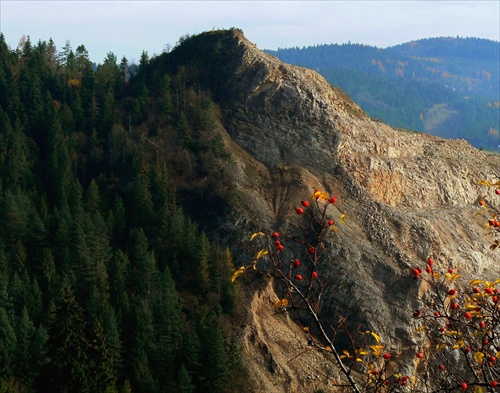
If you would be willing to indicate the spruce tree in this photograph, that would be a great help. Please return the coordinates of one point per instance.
(68, 370)
(8, 342)
(170, 323)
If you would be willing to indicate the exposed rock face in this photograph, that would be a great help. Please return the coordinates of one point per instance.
(406, 195)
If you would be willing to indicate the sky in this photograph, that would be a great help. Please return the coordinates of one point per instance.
(127, 28)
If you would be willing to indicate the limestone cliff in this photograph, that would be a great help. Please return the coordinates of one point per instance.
(406, 196)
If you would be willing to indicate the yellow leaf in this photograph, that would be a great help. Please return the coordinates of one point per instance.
(342, 218)
(375, 336)
(346, 353)
(238, 273)
(319, 195)
(261, 253)
(478, 389)
(256, 234)
(479, 357)
(363, 352)
(377, 349)
(452, 277)
(328, 348)
(284, 302)
(459, 344)
(440, 346)
(359, 360)
(452, 333)
(277, 304)
(476, 282)
(305, 329)
(420, 329)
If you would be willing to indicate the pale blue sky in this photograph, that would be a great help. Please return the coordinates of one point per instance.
(126, 28)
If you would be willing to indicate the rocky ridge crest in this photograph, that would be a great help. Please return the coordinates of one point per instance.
(406, 195)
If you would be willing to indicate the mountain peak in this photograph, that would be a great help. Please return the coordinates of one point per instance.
(405, 193)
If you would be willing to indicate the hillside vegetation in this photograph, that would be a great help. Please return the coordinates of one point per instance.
(129, 193)
(448, 87)
(107, 283)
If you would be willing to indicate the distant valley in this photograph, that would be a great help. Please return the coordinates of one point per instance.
(448, 87)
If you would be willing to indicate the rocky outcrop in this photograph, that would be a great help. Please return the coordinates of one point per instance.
(406, 195)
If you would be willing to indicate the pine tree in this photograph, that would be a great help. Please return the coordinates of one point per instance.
(221, 271)
(92, 197)
(170, 324)
(23, 363)
(142, 202)
(214, 354)
(51, 279)
(96, 268)
(59, 174)
(144, 269)
(203, 268)
(185, 381)
(166, 97)
(191, 352)
(14, 213)
(15, 156)
(113, 341)
(7, 344)
(100, 361)
(63, 241)
(118, 270)
(143, 347)
(69, 344)
(117, 222)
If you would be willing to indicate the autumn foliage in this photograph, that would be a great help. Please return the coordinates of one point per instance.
(456, 327)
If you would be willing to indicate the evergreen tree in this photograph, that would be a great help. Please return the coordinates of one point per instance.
(169, 330)
(203, 268)
(118, 270)
(93, 198)
(166, 97)
(100, 361)
(144, 347)
(14, 157)
(14, 213)
(117, 221)
(191, 353)
(185, 381)
(7, 344)
(142, 202)
(23, 364)
(96, 269)
(113, 341)
(59, 172)
(214, 354)
(69, 369)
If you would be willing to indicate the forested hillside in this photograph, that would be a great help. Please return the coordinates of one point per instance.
(447, 87)
(108, 283)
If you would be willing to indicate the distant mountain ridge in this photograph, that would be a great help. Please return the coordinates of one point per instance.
(448, 87)
(478, 48)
